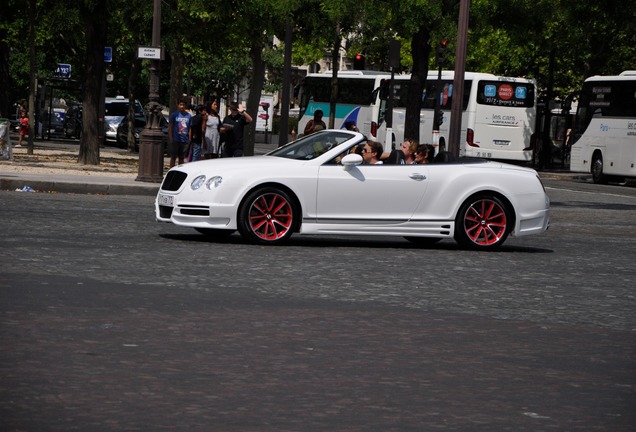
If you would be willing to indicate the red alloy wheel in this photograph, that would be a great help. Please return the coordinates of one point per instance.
(485, 222)
(270, 216)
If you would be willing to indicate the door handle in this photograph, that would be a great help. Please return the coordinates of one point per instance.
(417, 176)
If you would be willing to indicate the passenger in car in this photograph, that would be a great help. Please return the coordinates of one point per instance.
(371, 153)
(404, 156)
(424, 154)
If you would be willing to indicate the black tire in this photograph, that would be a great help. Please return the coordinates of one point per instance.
(424, 241)
(597, 169)
(268, 216)
(483, 222)
(214, 233)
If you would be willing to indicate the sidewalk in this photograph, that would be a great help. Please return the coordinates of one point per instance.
(53, 167)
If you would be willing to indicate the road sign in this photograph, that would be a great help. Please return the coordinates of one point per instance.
(150, 53)
(63, 70)
(108, 54)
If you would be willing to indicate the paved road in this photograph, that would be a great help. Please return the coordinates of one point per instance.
(118, 323)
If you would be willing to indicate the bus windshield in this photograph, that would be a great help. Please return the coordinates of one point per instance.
(605, 99)
(351, 91)
(355, 98)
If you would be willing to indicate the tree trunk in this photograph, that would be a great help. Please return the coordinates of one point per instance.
(258, 79)
(94, 16)
(420, 50)
(176, 75)
(5, 77)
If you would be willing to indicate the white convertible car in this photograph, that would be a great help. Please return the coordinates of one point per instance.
(319, 185)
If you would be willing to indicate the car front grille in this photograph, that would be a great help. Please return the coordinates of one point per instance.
(173, 181)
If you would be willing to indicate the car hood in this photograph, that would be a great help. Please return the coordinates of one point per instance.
(113, 119)
(247, 163)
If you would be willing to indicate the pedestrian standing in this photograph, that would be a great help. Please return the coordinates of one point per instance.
(197, 129)
(316, 124)
(212, 132)
(232, 129)
(24, 127)
(179, 133)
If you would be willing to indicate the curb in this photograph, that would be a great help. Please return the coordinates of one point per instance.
(70, 187)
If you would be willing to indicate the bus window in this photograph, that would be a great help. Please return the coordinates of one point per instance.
(511, 94)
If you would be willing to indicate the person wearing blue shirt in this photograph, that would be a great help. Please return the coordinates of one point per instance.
(179, 133)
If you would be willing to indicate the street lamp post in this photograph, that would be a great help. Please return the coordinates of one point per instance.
(151, 139)
(458, 82)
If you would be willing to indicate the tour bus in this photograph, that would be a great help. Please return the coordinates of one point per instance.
(498, 114)
(356, 98)
(604, 137)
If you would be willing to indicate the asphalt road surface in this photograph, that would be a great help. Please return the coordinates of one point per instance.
(110, 321)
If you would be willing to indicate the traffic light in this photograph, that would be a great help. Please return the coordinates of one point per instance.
(441, 50)
(358, 62)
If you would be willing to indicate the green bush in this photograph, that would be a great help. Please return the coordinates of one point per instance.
(293, 125)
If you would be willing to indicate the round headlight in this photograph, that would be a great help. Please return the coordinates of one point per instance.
(214, 182)
(197, 182)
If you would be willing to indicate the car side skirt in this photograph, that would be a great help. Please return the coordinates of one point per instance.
(438, 229)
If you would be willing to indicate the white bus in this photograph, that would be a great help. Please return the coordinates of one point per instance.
(498, 118)
(604, 136)
(356, 101)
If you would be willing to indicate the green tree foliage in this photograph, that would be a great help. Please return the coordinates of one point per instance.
(219, 51)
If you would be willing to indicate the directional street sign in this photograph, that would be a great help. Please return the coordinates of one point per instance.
(150, 53)
(63, 70)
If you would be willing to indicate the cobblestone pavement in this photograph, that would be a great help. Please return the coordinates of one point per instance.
(85, 355)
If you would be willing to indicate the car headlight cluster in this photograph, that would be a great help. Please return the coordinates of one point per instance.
(212, 182)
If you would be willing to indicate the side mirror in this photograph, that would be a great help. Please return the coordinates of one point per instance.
(351, 160)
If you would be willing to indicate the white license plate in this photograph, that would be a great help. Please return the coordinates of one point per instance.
(166, 200)
(501, 142)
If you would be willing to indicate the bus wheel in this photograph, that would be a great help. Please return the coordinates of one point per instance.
(597, 169)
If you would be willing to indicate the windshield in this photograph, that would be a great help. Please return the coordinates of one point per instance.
(120, 108)
(312, 146)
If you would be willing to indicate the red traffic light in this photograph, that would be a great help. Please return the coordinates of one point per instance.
(358, 61)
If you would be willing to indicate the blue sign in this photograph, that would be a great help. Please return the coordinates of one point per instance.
(490, 91)
(521, 93)
(63, 70)
(108, 54)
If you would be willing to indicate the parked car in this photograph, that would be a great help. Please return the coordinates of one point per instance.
(122, 131)
(319, 185)
(115, 110)
(140, 124)
(51, 124)
(73, 121)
